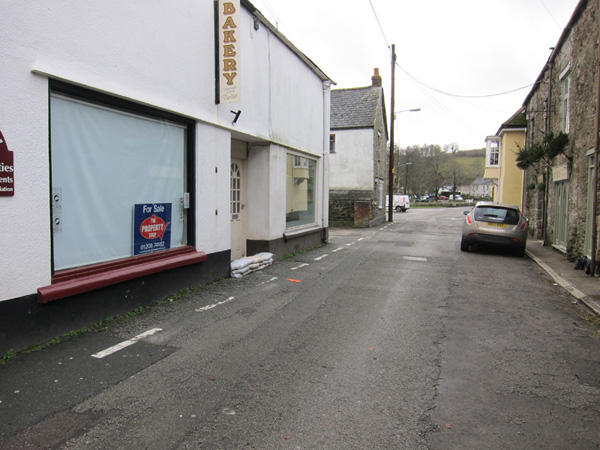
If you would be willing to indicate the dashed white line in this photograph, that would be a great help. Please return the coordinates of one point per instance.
(214, 305)
(300, 266)
(321, 257)
(268, 281)
(337, 249)
(124, 344)
(415, 258)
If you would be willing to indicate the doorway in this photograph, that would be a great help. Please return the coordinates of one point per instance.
(562, 214)
(237, 205)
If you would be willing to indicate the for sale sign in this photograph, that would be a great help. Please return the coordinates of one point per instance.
(7, 170)
(151, 228)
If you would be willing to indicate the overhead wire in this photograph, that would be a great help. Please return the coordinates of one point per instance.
(460, 95)
(379, 23)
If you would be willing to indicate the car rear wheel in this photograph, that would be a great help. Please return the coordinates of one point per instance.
(398, 209)
(464, 246)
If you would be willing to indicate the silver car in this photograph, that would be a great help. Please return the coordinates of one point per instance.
(495, 224)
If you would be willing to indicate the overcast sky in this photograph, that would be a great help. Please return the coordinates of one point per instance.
(463, 47)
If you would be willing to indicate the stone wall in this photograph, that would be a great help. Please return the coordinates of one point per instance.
(576, 55)
(349, 208)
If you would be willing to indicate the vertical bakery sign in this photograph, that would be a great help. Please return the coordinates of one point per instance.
(7, 170)
(229, 50)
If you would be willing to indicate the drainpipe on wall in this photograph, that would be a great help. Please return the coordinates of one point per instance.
(325, 160)
(596, 151)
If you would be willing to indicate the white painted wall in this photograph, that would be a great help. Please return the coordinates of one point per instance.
(158, 53)
(351, 167)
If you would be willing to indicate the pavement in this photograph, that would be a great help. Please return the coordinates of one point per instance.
(585, 288)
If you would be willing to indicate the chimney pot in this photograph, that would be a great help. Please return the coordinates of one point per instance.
(376, 78)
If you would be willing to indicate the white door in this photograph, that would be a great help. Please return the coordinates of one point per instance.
(237, 202)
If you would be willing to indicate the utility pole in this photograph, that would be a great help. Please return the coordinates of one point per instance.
(391, 168)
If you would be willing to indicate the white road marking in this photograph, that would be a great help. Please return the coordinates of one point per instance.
(337, 249)
(268, 281)
(415, 258)
(124, 344)
(300, 266)
(214, 305)
(321, 257)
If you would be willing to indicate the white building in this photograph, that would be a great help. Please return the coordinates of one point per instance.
(123, 145)
(358, 157)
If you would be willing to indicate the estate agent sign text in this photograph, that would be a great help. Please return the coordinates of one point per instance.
(7, 170)
(151, 231)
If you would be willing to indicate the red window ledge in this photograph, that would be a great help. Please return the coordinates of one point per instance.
(83, 279)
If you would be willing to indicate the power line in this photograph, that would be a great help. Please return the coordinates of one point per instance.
(379, 23)
(459, 95)
(546, 8)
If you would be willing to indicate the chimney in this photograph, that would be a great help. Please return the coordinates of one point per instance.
(376, 79)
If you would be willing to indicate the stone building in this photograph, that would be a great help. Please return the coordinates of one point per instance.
(358, 159)
(559, 196)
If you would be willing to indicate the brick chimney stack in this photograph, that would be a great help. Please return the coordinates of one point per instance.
(376, 79)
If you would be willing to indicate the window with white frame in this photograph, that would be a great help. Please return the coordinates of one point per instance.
(565, 90)
(105, 160)
(300, 191)
(493, 152)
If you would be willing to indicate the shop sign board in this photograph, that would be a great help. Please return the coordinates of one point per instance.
(229, 50)
(7, 170)
(561, 173)
(151, 230)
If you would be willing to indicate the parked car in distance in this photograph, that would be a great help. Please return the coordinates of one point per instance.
(443, 197)
(425, 199)
(495, 224)
(455, 197)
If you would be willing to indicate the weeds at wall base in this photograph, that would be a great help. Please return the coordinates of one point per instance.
(102, 325)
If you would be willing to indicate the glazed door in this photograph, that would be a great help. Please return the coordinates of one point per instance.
(237, 205)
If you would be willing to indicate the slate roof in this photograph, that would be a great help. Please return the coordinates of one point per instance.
(355, 108)
(517, 120)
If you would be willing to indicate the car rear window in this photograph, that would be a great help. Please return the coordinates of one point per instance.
(497, 214)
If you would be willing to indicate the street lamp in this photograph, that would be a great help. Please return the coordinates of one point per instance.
(407, 110)
(391, 169)
(405, 175)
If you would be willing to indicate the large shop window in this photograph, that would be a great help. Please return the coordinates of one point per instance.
(301, 191)
(105, 161)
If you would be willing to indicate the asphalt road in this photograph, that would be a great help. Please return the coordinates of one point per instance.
(386, 338)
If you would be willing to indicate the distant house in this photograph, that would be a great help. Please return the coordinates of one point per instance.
(358, 159)
(501, 160)
(479, 188)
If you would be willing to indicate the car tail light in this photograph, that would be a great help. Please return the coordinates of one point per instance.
(468, 219)
(523, 226)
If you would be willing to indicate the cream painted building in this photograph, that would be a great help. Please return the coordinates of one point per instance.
(501, 160)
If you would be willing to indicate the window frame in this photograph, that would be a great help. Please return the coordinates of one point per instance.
(565, 94)
(490, 152)
(105, 100)
(295, 165)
